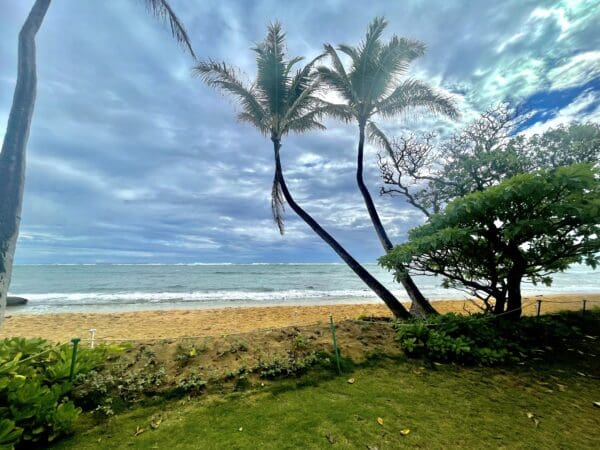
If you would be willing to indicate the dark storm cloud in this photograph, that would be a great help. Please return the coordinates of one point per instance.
(131, 159)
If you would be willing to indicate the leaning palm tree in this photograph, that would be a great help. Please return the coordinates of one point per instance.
(12, 157)
(372, 87)
(279, 102)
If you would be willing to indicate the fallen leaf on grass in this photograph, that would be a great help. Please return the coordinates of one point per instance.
(532, 417)
(372, 447)
(155, 423)
(139, 430)
(405, 431)
(330, 438)
(380, 421)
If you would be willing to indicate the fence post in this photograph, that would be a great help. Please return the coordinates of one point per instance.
(335, 346)
(92, 336)
(583, 310)
(539, 307)
(75, 342)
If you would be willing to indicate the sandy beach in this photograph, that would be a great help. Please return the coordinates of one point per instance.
(211, 322)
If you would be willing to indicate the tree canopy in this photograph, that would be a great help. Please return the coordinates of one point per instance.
(485, 153)
(528, 226)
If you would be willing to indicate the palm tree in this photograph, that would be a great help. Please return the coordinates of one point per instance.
(279, 102)
(372, 87)
(12, 157)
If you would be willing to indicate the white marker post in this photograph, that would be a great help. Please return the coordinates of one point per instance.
(92, 336)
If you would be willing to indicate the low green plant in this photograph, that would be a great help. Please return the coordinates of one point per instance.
(192, 384)
(34, 389)
(282, 366)
(187, 353)
(483, 339)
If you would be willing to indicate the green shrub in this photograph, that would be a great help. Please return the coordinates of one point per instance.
(34, 389)
(482, 339)
(282, 366)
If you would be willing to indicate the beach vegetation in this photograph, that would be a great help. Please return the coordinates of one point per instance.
(429, 174)
(371, 87)
(292, 364)
(482, 339)
(525, 228)
(35, 390)
(284, 100)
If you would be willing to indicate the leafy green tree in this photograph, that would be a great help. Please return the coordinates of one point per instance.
(371, 87)
(483, 154)
(281, 101)
(527, 227)
(12, 157)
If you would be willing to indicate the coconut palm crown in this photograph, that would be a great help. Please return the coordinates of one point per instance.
(372, 84)
(281, 99)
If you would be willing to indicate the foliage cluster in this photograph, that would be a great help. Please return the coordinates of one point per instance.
(34, 390)
(528, 226)
(291, 364)
(485, 340)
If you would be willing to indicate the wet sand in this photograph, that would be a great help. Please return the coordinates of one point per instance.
(142, 325)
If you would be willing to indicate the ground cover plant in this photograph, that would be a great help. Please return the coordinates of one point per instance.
(35, 407)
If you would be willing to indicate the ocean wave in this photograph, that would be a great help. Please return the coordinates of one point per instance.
(123, 298)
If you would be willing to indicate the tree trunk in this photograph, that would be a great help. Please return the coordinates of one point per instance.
(12, 158)
(381, 291)
(420, 305)
(513, 284)
(499, 305)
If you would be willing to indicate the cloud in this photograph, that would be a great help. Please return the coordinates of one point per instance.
(131, 159)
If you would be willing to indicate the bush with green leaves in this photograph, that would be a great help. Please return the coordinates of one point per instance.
(34, 389)
(292, 364)
(483, 339)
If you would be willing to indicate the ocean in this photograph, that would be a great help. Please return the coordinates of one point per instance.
(130, 287)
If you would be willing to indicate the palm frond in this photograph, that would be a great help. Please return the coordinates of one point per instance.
(352, 52)
(278, 205)
(271, 78)
(252, 119)
(338, 83)
(303, 79)
(374, 32)
(378, 137)
(225, 78)
(291, 63)
(307, 122)
(393, 60)
(412, 94)
(301, 92)
(345, 113)
(163, 11)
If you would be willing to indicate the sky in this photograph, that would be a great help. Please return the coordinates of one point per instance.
(133, 160)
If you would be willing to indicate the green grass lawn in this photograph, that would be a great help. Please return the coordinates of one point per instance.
(443, 406)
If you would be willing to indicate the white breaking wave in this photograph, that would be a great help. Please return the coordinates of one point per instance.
(120, 298)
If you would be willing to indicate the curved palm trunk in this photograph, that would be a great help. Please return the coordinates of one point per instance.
(384, 294)
(420, 305)
(12, 158)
